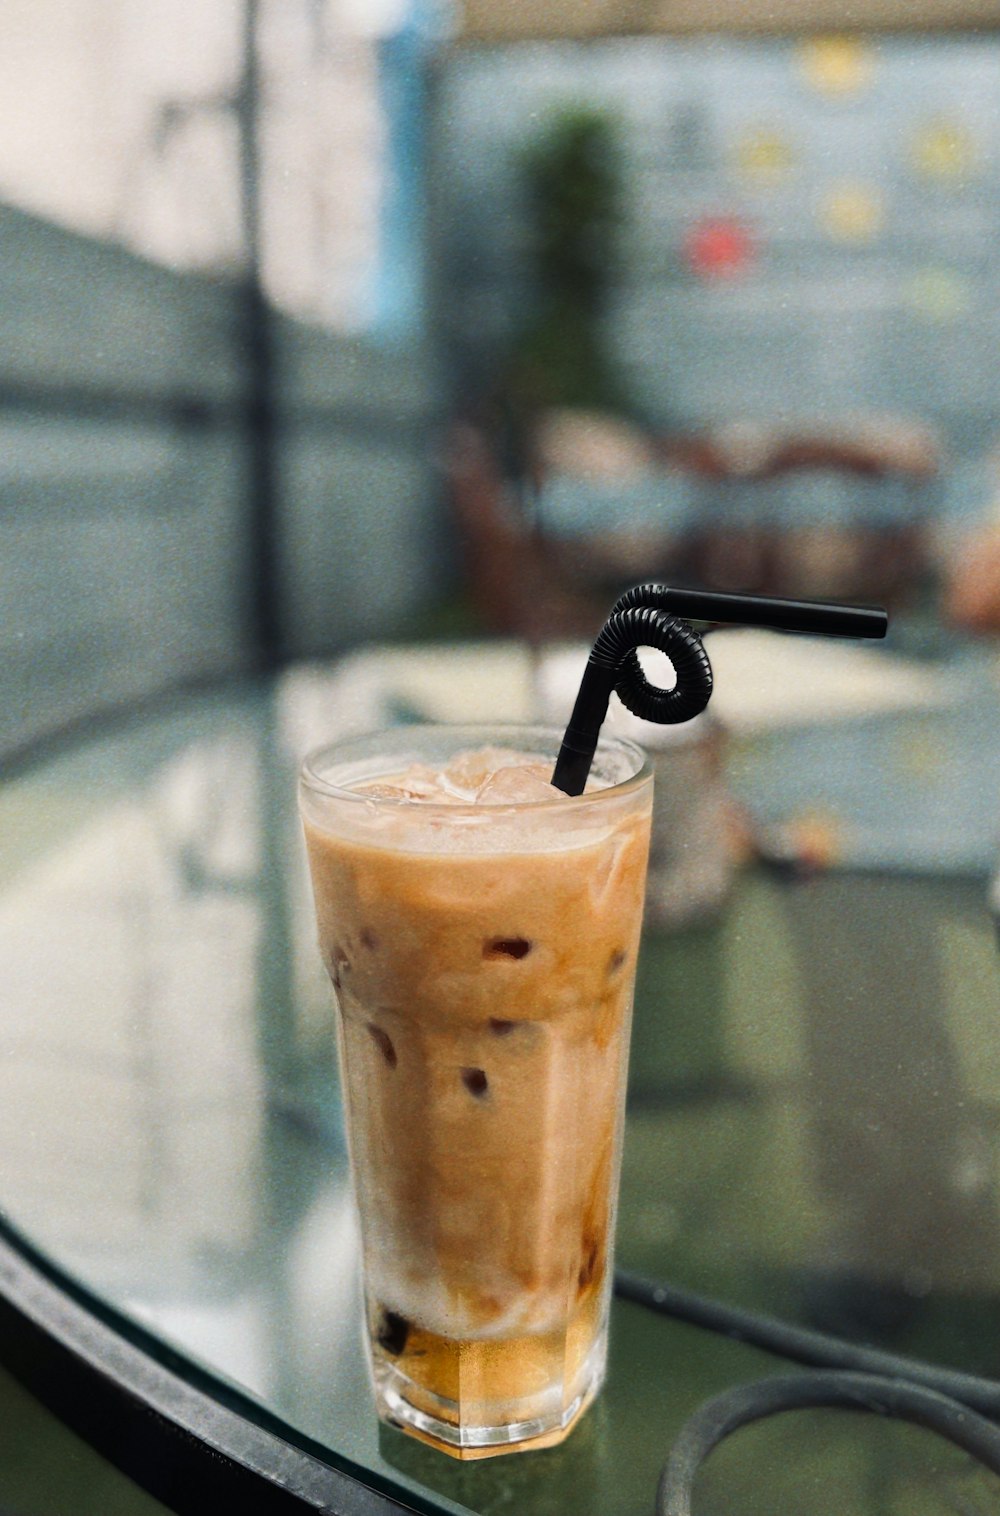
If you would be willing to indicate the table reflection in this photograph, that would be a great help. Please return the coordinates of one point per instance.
(814, 1122)
(168, 1112)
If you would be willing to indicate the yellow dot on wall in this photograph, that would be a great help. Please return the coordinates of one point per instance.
(764, 153)
(919, 755)
(852, 212)
(943, 149)
(938, 294)
(837, 65)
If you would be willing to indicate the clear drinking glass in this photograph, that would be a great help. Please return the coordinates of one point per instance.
(482, 958)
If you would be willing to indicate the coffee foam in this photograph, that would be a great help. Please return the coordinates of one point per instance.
(427, 1303)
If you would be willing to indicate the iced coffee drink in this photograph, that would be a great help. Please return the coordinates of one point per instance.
(480, 931)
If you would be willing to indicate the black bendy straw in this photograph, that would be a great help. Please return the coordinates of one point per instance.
(642, 618)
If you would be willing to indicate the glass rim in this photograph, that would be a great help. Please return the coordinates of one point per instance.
(313, 781)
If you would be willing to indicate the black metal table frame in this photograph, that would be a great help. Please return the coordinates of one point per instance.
(192, 1442)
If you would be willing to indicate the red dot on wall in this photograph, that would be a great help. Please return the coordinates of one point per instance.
(719, 247)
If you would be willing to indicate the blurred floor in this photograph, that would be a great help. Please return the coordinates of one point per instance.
(45, 1470)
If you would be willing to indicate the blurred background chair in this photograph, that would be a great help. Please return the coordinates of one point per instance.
(838, 513)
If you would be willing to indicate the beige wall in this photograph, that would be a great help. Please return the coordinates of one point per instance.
(80, 85)
(117, 120)
(496, 20)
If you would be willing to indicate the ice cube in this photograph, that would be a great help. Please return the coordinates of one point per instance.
(379, 791)
(462, 777)
(524, 784)
(491, 775)
(418, 782)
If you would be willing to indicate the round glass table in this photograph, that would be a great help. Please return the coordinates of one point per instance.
(813, 1126)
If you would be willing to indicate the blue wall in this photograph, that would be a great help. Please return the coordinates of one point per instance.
(830, 317)
(125, 545)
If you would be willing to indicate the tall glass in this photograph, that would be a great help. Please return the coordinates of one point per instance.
(482, 959)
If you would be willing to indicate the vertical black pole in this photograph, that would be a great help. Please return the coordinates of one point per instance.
(258, 408)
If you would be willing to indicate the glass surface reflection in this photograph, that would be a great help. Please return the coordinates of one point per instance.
(168, 1106)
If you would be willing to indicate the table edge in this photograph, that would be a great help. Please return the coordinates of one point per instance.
(175, 1440)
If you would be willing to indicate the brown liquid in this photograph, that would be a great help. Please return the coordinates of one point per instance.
(484, 1004)
(490, 1381)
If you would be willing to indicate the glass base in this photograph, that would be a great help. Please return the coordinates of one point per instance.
(436, 1420)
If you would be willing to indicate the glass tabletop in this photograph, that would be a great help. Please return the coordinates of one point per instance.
(814, 1096)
